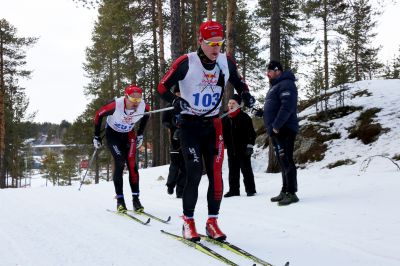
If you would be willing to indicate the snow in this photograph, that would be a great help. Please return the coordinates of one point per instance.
(345, 216)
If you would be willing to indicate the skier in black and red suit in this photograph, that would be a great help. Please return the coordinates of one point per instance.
(201, 77)
(122, 140)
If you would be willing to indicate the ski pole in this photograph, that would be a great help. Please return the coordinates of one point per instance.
(89, 166)
(156, 111)
(231, 111)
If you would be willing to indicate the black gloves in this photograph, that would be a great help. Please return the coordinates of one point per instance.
(97, 142)
(257, 112)
(248, 100)
(180, 105)
(249, 150)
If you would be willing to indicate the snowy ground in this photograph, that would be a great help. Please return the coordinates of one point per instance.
(344, 217)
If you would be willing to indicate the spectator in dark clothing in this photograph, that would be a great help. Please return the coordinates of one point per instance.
(239, 136)
(177, 170)
(280, 119)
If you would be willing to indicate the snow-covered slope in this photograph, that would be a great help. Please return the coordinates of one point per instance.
(344, 217)
(384, 94)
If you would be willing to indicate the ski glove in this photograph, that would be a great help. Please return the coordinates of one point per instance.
(180, 105)
(97, 142)
(139, 141)
(248, 100)
(257, 112)
(249, 150)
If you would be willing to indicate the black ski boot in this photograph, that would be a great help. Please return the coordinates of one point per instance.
(137, 206)
(121, 207)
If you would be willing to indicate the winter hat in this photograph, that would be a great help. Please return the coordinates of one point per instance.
(236, 98)
(274, 65)
(210, 29)
(132, 89)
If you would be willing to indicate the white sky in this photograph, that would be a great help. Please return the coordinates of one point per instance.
(56, 87)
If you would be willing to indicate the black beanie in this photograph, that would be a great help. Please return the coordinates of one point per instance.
(236, 98)
(274, 65)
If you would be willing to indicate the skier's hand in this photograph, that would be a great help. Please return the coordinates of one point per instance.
(257, 112)
(249, 150)
(180, 105)
(97, 142)
(248, 100)
(139, 141)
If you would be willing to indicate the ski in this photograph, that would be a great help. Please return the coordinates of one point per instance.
(152, 216)
(235, 249)
(127, 215)
(201, 247)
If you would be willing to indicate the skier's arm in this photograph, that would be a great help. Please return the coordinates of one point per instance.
(176, 73)
(234, 78)
(105, 110)
(143, 121)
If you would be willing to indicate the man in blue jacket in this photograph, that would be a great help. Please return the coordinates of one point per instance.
(280, 119)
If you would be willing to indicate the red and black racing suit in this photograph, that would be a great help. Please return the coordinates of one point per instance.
(122, 147)
(198, 136)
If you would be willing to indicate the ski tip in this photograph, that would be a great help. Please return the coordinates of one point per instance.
(287, 263)
(168, 219)
(147, 222)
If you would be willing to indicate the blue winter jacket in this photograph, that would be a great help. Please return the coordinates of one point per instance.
(280, 108)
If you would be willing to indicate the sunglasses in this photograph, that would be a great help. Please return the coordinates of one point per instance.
(213, 44)
(134, 100)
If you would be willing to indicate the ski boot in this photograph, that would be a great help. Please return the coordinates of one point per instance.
(121, 207)
(189, 229)
(213, 231)
(137, 206)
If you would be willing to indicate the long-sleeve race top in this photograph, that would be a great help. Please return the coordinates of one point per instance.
(180, 69)
(121, 119)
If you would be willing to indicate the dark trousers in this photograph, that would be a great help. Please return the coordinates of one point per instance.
(123, 149)
(284, 145)
(202, 138)
(177, 172)
(237, 163)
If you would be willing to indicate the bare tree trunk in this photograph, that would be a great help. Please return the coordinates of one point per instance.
(163, 140)
(275, 51)
(230, 41)
(2, 117)
(326, 58)
(275, 37)
(196, 23)
(156, 122)
(209, 9)
(176, 29)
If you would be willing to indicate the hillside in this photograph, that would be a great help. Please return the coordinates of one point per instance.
(345, 216)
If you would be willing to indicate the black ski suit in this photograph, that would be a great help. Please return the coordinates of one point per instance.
(177, 170)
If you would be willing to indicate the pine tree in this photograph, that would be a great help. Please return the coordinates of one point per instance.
(13, 101)
(331, 13)
(358, 31)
